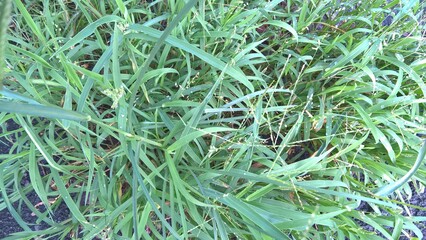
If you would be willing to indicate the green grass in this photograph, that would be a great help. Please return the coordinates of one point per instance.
(215, 119)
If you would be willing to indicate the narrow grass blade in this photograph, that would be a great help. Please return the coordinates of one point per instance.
(37, 142)
(65, 194)
(161, 39)
(341, 61)
(32, 55)
(8, 203)
(241, 207)
(135, 160)
(15, 95)
(185, 46)
(320, 219)
(416, 77)
(285, 26)
(180, 184)
(42, 111)
(147, 195)
(35, 177)
(90, 157)
(377, 134)
(29, 20)
(399, 222)
(87, 31)
(389, 189)
(186, 139)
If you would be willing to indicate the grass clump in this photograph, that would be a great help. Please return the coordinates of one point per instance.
(215, 119)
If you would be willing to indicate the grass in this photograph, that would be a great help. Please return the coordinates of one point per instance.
(215, 119)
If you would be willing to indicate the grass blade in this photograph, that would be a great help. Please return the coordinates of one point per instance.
(185, 46)
(87, 31)
(389, 189)
(42, 111)
(186, 139)
(161, 39)
(243, 209)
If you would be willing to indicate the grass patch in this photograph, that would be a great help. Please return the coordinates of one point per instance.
(215, 119)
